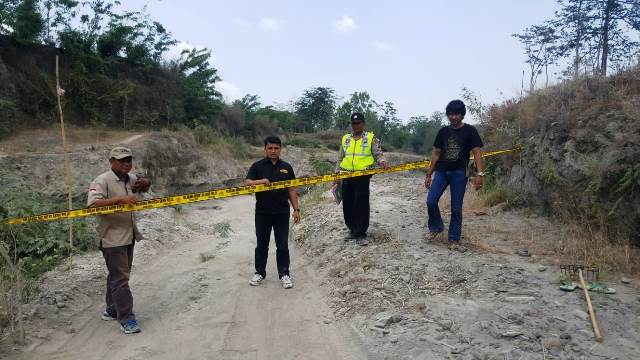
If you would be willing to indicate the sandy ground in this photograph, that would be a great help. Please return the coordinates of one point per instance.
(399, 298)
(189, 308)
(413, 299)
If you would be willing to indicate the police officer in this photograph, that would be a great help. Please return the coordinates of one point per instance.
(359, 150)
(272, 211)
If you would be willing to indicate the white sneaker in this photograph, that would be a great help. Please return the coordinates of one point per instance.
(107, 317)
(256, 280)
(286, 281)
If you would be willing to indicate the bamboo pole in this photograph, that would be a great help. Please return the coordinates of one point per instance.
(67, 178)
(594, 321)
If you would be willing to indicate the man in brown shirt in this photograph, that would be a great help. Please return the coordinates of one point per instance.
(117, 234)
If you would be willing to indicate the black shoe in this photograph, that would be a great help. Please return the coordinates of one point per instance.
(351, 236)
(362, 240)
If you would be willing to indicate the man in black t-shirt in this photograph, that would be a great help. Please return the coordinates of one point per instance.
(272, 211)
(449, 162)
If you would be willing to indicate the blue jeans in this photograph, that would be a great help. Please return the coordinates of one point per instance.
(457, 180)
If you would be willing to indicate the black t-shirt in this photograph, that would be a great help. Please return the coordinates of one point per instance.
(455, 146)
(272, 201)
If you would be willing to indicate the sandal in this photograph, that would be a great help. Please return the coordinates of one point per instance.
(570, 286)
(599, 288)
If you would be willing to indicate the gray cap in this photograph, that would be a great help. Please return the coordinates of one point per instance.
(120, 153)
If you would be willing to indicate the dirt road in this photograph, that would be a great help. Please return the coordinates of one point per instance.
(194, 309)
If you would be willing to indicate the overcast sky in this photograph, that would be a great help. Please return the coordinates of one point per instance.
(417, 54)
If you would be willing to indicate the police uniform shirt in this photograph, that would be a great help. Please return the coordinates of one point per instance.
(272, 201)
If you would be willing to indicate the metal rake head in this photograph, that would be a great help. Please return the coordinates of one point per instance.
(589, 273)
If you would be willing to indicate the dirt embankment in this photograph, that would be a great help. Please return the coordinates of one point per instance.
(581, 146)
(170, 160)
(173, 161)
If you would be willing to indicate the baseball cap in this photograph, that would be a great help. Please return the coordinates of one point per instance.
(120, 153)
(357, 117)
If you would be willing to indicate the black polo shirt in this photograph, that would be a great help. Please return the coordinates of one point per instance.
(272, 201)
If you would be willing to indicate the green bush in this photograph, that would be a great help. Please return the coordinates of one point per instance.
(38, 247)
(321, 166)
(495, 193)
(207, 136)
(303, 142)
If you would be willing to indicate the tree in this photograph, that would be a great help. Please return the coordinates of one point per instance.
(607, 27)
(133, 34)
(362, 102)
(475, 107)
(388, 119)
(575, 20)
(28, 24)
(598, 34)
(285, 120)
(540, 47)
(92, 21)
(423, 130)
(58, 14)
(198, 77)
(358, 102)
(618, 19)
(231, 120)
(342, 116)
(7, 15)
(249, 103)
(117, 37)
(315, 109)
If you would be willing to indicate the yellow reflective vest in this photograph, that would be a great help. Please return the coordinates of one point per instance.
(357, 153)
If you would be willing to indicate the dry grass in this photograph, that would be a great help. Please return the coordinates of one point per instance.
(473, 204)
(592, 247)
(561, 240)
(49, 140)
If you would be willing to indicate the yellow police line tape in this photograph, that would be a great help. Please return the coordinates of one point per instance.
(223, 193)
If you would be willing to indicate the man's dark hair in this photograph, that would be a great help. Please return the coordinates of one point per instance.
(272, 140)
(456, 107)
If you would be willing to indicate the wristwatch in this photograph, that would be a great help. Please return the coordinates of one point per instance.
(481, 173)
(294, 210)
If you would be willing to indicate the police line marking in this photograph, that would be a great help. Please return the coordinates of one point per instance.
(173, 200)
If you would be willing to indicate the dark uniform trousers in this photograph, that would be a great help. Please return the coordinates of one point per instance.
(119, 299)
(280, 225)
(355, 204)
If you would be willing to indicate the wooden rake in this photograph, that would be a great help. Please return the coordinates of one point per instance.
(593, 274)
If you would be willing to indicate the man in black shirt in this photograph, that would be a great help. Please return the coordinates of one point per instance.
(272, 211)
(449, 162)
